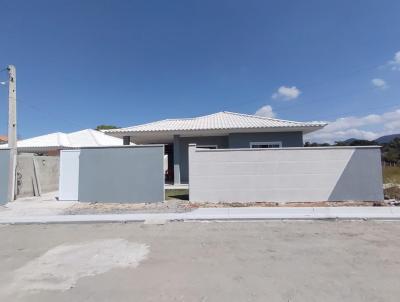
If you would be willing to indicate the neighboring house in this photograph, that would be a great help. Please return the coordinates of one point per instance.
(3, 139)
(51, 144)
(218, 130)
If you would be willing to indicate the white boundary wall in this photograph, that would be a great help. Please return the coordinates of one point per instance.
(69, 174)
(285, 174)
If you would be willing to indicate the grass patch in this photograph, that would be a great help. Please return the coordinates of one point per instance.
(182, 194)
(391, 175)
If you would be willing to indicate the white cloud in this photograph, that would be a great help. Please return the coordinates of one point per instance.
(379, 83)
(287, 93)
(354, 127)
(395, 63)
(265, 111)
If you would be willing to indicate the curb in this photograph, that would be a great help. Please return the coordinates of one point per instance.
(223, 214)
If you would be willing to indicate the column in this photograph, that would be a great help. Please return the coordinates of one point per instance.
(177, 160)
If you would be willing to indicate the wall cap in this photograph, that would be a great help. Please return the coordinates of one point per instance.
(286, 148)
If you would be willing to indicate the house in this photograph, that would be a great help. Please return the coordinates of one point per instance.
(219, 130)
(51, 144)
(3, 139)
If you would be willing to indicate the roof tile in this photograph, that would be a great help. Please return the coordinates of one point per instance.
(217, 121)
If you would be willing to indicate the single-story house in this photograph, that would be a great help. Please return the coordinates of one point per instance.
(51, 144)
(218, 130)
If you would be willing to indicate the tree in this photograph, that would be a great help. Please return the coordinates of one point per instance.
(308, 144)
(356, 142)
(106, 127)
(391, 151)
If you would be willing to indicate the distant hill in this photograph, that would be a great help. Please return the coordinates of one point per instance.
(387, 138)
(350, 140)
(390, 146)
(381, 140)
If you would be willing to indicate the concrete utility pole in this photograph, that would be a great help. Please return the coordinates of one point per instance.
(12, 129)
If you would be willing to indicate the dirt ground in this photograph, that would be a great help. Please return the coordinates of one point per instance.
(231, 261)
(180, 206)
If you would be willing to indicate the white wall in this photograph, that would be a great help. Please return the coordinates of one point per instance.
(285, 174)
(69, 174)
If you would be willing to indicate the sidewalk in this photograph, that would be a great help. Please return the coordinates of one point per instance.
(218, 214)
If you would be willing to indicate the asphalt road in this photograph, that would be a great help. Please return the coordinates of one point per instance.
(229, 261)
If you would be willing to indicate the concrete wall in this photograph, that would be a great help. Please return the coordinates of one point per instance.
(288, 139)
(285, 175)
(48, 172)
(220, 141)
(234, 140)
(36, 174)
(4, 167)
(116, 174)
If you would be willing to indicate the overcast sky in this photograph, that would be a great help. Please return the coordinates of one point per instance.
(84, 63)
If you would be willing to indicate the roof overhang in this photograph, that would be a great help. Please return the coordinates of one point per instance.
(167, 136)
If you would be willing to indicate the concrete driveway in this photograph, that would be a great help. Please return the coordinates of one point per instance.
(230, 261)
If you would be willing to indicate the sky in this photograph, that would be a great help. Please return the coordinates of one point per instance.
(84, 63)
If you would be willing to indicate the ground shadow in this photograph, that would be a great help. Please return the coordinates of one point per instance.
(181, 194)
(361, 179)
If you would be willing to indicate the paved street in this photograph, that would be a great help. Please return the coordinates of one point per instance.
(229, 261)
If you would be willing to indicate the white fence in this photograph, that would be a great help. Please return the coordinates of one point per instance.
(285, 174)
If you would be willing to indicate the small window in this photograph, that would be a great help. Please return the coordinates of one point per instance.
(265, 144)
(126, 140)
(207, 146)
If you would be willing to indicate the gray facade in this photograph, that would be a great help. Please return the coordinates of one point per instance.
(288, 139)
(230, 141)
(222, 142)
(4, 168)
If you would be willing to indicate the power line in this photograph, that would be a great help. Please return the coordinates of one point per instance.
(44, 113)
(365, 109)
(2, 83)
(315, 83)
(289, 107)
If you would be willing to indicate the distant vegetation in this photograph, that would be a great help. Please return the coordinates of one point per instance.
(390, 150)
(106, 127)
(391, 175)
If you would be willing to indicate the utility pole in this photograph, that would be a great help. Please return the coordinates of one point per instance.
(12, 129)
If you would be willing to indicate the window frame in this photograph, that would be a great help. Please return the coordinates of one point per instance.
(212, 147)
(252, 144)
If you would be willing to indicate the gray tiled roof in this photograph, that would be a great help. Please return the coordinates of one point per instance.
(218, 121)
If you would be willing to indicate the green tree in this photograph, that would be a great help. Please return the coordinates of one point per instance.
(106, 127)
(391, 151)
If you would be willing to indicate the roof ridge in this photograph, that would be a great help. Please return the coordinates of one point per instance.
(266, 118)
(123, 128)
(91, 131)
(164, 120)
(60, 141)
(190, 118)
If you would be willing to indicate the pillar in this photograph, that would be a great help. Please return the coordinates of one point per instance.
(177, 160)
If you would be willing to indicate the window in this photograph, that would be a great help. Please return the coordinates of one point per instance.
(265, 144)
(126, 140)
(207, 146)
